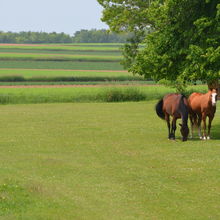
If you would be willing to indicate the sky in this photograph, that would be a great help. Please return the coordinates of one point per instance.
(66, 16)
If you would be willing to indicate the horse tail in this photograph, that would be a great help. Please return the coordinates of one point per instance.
(159, 109)
(194, 119)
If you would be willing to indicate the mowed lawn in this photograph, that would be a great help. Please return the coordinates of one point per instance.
(103, 161)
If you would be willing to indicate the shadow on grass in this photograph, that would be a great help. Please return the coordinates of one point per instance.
(214, 134)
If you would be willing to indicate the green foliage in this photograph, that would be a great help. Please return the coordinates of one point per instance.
(98, 36)
(34, 37)
(122, 95)
(183, 45)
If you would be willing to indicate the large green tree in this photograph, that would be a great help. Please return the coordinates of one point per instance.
(184, 42)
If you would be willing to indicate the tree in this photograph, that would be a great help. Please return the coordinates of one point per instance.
(184, 44)
(129, 16)
(34, 37)
(98, 36)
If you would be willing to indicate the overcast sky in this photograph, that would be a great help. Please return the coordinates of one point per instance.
(66, 16)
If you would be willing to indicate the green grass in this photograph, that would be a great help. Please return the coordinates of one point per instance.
(37, 75)
(30, 73)
(60, 65)
(86, 94)
(58, 57)
(103, 161)
(57, 47)
(47, 51)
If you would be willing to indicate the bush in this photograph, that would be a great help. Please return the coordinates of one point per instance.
(121, 95)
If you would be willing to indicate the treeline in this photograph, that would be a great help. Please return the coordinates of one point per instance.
(83, 36)
(99, 36)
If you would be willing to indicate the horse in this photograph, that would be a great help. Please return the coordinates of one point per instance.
(202, 106)
(175, 105)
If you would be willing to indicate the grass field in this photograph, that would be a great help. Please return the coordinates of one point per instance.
(103, 161)
(61, 75)
(27, 95)
(60, 65)
(59, 57)
(81, 156)
(63, 47)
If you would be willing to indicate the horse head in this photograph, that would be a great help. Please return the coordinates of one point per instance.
(184, 131)
(213, 96)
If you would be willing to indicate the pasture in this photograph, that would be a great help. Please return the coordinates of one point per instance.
(74, 153)
(103, 161)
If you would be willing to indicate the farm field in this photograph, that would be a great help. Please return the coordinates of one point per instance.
(103, 161)
(63, 62)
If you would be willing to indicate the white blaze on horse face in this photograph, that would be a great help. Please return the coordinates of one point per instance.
(214, 98)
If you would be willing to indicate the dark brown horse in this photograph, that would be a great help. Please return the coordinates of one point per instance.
(174, 105)
(202, 106)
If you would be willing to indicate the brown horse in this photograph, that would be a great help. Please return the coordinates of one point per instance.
(202, 106)
(174, 105)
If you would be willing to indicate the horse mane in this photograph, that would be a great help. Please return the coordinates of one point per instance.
(184, 109)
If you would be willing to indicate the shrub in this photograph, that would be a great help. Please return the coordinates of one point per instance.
(121, 95)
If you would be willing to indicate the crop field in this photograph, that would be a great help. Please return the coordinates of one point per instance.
(103, 161)
(64, 47)
(36, 62)
(68, 64)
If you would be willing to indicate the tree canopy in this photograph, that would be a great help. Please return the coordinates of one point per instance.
(183, 43)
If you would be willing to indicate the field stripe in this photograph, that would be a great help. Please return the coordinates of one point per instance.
(61, 54)
(66, 86)
(67, 70)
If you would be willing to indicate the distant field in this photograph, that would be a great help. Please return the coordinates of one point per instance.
(75, 52)
(29, 61)
(14, 64)
(65, 75)
(59, 57)
(28, 73)
(57, 47)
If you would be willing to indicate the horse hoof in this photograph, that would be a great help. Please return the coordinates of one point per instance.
(204, 138)
(208, 138)
(200, 138)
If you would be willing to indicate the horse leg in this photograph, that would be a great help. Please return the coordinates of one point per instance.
(209, 126)
(199, 126)
(191, 117)
(173, 128)
(167, 118)
(204, 126)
